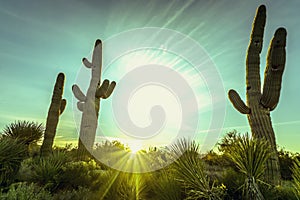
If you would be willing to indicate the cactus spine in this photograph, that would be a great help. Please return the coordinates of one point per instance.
(260, 103)
(89, 104)
(56, 108)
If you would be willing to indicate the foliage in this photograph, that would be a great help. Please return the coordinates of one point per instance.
(28, 132)
(12, 153)
(46, 170)
(131, 186)
(81, 174)
(233, 180)
(236, 173)
(250, 156)
(296, 177)
(82, 193)
(227, 141)
(190, 172)
(286, 161)
(24, 191)
(165, 186)
(123, 186)
(279, 192)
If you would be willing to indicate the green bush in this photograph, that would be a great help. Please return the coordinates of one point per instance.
(81, 193)
(27, 132)
(45, 171)
(250, 156)
(286, 164)
(281, 192)
(296, 177)
(165, 186)
(233, 181)
(25, 191)
(190, 172)
(81, 174)
(12, 153)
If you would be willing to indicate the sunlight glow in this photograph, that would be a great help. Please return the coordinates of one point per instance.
(135, 146)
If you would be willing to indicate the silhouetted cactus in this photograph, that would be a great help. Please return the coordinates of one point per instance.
(89, 104)
(56, 108)
(260, 103)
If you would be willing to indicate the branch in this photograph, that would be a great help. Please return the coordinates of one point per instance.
(238, 103)
(274, 70)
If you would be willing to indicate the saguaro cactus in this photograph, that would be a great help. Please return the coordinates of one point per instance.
(89, 104)
(56, 108)
(260, 103)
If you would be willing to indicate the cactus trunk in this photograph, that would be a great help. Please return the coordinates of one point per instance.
(56, 108)
(261, 128)
(260, 103)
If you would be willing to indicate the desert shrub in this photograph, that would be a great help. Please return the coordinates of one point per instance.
(250, 156)
(131, 186)
(81, 193)
(27, 132)
(286, 164)
(12, 153)
(25, 191)
(81, 174)
(164, 186)
(296, 177)
(190, 172)
(280, 192)
(45, 171)
(123, 186)
(233, 180)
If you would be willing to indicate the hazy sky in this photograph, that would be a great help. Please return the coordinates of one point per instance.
(39, 39)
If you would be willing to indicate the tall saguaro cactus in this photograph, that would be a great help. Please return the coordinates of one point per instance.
(261, 102)
(56, 108)
(89, 104)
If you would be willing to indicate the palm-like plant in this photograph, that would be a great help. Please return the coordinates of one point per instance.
(12, 153)
(190, 172)
(27, 132)
(296, 177)
(46, 170)
(165, 186)
(250, 157)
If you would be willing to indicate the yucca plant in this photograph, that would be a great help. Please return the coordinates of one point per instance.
(296, 177)
(27, 132)
(190, 172)
(132, 187)
(250, 157)
(46, 170)
(165, 186)
(12, 153)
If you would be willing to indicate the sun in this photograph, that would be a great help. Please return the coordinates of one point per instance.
(135, 146)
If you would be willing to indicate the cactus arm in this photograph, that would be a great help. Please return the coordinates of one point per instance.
(63, 104)
(80, 106)
(238, 103)
(78, 93)
(102, 89)
(106, 89)
(96, 60)
(254, 49)
(274, 70)
(109, 90)
(87, 63)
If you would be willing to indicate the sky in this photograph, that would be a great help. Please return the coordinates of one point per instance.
(39, 39)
